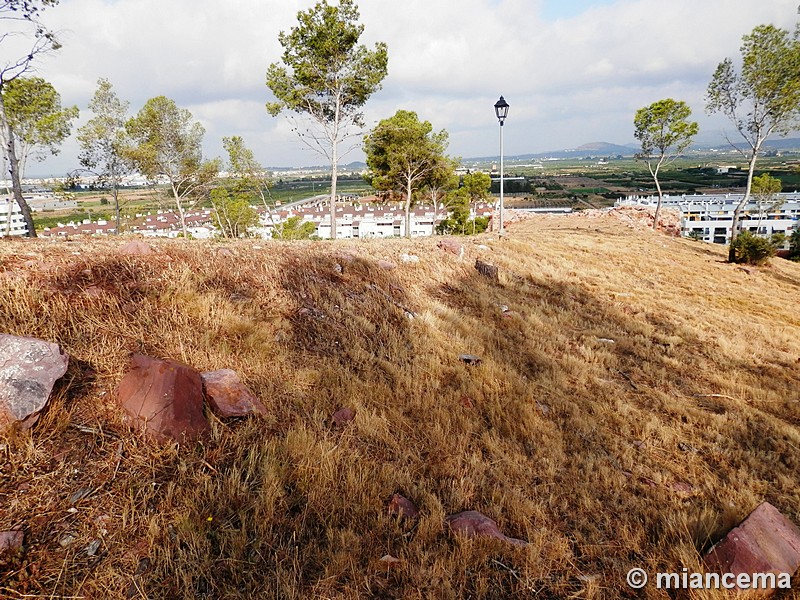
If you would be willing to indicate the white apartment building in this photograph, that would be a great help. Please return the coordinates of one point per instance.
(710, 217)
(11, 219)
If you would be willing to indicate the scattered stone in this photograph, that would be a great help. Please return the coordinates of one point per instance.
(765, 542)
(338, 268)
(451, 246)
(93, 547)
(745, 270)
(470, 359)
(503, 308)
(228, 396)
(343, 416)
(543, 407)
(402, 507)
(606, 341)
(79, 495)
(639, 445)
(135, 248)
(387, 265)
(164, 398)
(682, 488)
(483, 247)
(409, 258)
(390, 560)
(29, 368)
(471, 523)
(488, 270)
(11, 541)
(66, 540)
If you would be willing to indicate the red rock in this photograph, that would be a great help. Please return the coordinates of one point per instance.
(402, 507)
(228, 396)
(471, 523)
(136, 248)
(343, 416)
(29, 368)
(11, 541)
(164, 398)
(765, 542)
(386, 265)
(451, 246)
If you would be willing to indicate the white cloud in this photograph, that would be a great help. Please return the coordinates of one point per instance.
(569, 80)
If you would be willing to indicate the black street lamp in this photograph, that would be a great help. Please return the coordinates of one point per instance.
(501, 110)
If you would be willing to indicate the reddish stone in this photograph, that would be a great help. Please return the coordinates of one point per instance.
(165, 398)
(471, 523)
(228, 396)
(135, 248)
(765, 542)
(451, 246)
(11, 541)
(402, 507)
(386, 265)
(29, 368)
(343, 416)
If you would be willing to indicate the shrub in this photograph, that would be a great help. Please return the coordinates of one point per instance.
(794, 246)
(751, 249)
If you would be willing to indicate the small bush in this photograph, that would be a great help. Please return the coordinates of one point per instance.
(794, 246)
(751, 249)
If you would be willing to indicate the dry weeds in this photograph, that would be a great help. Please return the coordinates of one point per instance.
(637, 397)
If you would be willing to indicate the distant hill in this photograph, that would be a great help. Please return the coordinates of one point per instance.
(603, 149)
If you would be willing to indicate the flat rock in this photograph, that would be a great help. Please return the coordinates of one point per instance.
(135, 248)
(470, 359)
(765, 542)
(343, 416)
(29, 368)
(451, 246)
(164, 398)
(387, 265)
(472, 523)
(402, 507)
(228, 396)
(11, 541)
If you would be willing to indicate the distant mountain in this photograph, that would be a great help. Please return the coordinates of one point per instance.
(603, 149)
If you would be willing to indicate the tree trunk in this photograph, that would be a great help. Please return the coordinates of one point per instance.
(13, 170)
(740, 207)
(408, 208)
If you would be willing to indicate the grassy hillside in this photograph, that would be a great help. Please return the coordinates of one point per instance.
(637, 397)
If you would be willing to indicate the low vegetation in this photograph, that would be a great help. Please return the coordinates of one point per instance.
(637, 397)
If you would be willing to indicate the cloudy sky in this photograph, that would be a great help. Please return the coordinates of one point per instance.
(573, 71)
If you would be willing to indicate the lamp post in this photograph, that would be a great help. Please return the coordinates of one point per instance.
(501, 110)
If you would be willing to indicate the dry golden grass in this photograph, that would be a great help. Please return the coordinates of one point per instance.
(604, 456)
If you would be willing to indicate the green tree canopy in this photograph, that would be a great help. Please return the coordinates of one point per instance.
(665, 132)
(103, 140)
(402, 154)
(168, 144)
(760, 98)
(35, 115)
(326, 76)
(20, 18)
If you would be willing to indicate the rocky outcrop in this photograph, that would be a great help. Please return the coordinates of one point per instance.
(164, 398)
(29, 368)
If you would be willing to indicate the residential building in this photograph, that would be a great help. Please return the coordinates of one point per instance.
(11, 220)
(710, 217)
